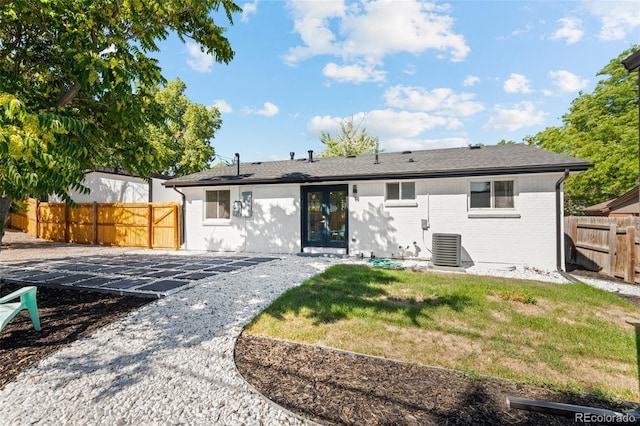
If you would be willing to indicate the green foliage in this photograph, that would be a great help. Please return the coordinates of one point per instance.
(183, 140)
(38, 157)
(601, 127)
(74, 85)
(351, 141)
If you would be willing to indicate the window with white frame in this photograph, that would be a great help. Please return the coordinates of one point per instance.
(491, 194)
(401, 191)
(218, 204)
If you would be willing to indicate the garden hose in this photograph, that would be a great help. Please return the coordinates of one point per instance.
(385, 263)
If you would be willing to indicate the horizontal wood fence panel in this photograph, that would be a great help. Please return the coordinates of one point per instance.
(149, 225)
(608, 245)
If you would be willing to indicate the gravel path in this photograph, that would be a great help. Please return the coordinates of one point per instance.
(171, 362)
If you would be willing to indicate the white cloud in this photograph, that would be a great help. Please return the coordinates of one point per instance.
(567, 81)
(223, 106)
(400, 144)
(385, 27)
(311, 21)
(353, 73)
(410, 69)
(385, 124)
(521, 115)
(440, 101)
(397, 131)
(517, 32)
(366, 31)
(247, 10)
(198, 60)
(268, 110)
(618, 18)
(470, 80)
(570, 29)
(526, 29)
(517, 83)
(110, 49)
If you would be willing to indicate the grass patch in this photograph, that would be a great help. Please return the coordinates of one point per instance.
(569, 336)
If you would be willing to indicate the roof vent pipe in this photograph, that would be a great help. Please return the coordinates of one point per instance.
(310, 155)
(292, 154)
(237, 164)
(376, 162)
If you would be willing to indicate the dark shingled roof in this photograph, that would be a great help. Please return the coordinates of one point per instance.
(436, 163)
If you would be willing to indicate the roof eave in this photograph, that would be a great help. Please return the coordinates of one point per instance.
(573, 167)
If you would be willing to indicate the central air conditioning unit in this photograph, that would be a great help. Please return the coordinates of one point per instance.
(446, 249)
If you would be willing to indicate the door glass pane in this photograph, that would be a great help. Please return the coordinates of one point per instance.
(337, 207)
(315, 220)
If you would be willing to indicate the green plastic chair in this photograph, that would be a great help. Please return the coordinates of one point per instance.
(28, 301)
(338, 235)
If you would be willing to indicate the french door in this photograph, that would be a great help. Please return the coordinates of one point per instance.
(324, 218)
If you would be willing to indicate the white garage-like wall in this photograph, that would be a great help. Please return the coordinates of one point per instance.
(110, 188)
(121, 188)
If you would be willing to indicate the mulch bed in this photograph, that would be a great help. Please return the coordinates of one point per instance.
(339, 388)
(65, 316)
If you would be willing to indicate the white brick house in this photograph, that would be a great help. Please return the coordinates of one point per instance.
(501, 200)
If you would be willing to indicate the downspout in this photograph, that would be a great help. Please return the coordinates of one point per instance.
(559, 236)
(182, 215)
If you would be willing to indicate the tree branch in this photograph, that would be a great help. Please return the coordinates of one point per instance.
(68, 97)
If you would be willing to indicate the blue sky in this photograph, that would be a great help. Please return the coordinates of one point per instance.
(416, 74)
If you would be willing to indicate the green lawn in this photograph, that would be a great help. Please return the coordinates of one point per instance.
(568, 336)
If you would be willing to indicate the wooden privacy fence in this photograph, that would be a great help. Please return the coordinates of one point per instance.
(609, 245)
(150, 225)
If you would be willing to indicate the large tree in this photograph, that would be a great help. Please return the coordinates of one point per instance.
(351, 140)
(74, 79)
(183, 141)
(601, 127)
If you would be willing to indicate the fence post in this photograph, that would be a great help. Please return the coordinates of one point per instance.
(66, 223)
(94, 229)
(177, 226)
(629, 272)
(150, 217)
(37, 218)
(573, 230)
(613, 240)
